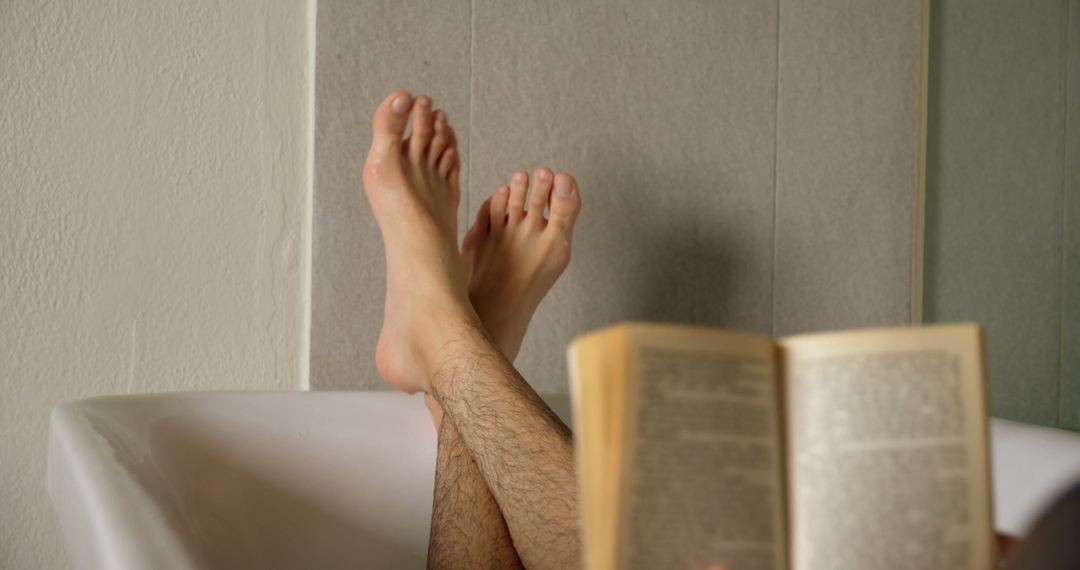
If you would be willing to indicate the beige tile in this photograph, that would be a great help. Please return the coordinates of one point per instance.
(665, 114)
(1070, 343)
(994, 178)
(846, 169)
(365, 50)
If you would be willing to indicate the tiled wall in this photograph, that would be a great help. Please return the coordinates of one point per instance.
(1003, 195)
(1069, 406)
(745, 164)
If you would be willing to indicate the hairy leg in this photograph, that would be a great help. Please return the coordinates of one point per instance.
(413, 188)
(514, 260)
(467, 527)
(521, 449)
(433, 340)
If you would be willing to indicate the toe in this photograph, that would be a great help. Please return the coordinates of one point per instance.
(388, 124)
(565, 203)
(452, 145)
(423, 128)
(541, 190)
(455, 180)
(483, 218)
(480, 228)
(441, 141)
(498, 208)
(447, 162)
(519, 185)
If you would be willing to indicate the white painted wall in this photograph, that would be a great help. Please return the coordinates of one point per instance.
(154, 215)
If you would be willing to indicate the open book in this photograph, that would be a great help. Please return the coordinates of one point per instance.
(841, 451)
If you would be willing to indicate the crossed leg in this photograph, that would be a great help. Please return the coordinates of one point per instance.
(514, 261)
(467, 527)
(434, 340)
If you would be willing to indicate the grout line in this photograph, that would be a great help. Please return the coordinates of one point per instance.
(468, 157)
(776, 173)
(1064, 217)
(306, 228)
(918, 257)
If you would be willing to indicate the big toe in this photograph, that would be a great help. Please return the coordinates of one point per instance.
(565, 203)
(388, 124)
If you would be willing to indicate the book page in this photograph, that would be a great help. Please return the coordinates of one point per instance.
(888, 462)
(703, 473)
(598, 363)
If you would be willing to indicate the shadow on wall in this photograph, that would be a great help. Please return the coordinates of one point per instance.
(665, 258)
(690, 273)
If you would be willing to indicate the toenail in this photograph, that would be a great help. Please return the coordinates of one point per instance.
(544, 174)
(503, 190)
(563, 189)
(423, 100)
(400, 106)
(519, 177)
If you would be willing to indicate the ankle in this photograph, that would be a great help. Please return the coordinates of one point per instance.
(459, 347)
(506, 331)
(446, 336)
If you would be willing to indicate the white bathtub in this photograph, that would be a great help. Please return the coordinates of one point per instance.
(323, 479)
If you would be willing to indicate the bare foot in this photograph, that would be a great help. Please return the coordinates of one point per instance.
(413, 189)
(515, 256)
